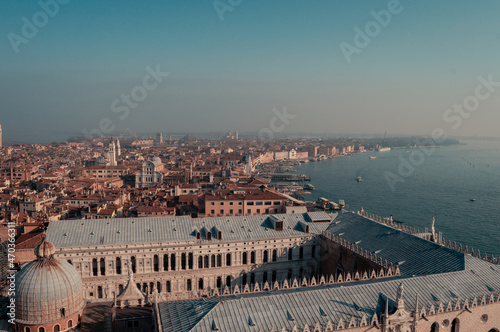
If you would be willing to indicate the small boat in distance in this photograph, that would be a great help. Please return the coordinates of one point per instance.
(341, 203)
(373, 157)
(472, 199)
(359, 179)
(309, 186)
(384, 149)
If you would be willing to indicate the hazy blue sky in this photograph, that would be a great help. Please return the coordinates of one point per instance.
(229, 74)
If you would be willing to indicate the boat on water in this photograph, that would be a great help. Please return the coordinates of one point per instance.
(359, 179)
(309, 186)
(341, 203)
(472, 199)
(373, 157)
(384, 149)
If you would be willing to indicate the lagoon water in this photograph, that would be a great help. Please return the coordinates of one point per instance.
(442, 186)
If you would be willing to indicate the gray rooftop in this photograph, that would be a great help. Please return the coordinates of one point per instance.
(337, 301)
(93, 232)
(413, 254)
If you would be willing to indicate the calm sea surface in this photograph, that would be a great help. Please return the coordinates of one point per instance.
(442, 186)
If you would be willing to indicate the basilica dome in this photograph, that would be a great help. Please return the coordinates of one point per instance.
(48, 290)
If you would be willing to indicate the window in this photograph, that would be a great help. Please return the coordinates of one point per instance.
(244, 258)
(219, 260)
(290, 254)
(172, 262)
(278, 225)
(132, 261)
(258, 210)
(435, 327)
(200, 283)
(198, 235)
(209, 235)
(57, 328)
(118, 265)
(200, 262)
(275, 255)
(258, 203)
(169, 289)
(156, 263)
(273, 277)
(455, 325)
(222, 211)
(264, 277)
(228, 281)
(99, 292)
(252, 257)
(219, 282)
(212, 261)
(190, 260)
(301, 253)
(265, 257)
(268, 203)
(219, 236)
(183, 261)
(207, 265)
(228, 259)
(277, 202)
(94, 267)
(63, 312)
(41, 329)
(289, 275)
(189, 287)
(27, 329)
(231, 203)
(249, 211)
(69, 261)
(252, 278)
(244, 280)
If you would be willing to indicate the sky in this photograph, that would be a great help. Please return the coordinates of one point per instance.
(68, 67)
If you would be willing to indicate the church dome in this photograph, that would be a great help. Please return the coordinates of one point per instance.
(156, 160)
(47, 289)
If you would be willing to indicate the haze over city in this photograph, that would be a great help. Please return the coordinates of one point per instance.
(229, 66)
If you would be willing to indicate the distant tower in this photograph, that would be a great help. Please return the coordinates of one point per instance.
(159, 138)
(118, 148)
(0, 135)
(236, 135)
(433, 230)
(385, 135)
(249, 165)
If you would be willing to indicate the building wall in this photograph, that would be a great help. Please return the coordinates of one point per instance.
(149, 271)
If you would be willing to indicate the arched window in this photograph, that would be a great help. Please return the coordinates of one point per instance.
(120, 288)
(190, 261)
(435, 327)
(70, 323)
(244, 280)
(209, 236)
(455, 325)
(103, 267)
(273, 277)
(200, 262)
(275, 255)
(219, 260)
(265, 257)
(172, 262)
(252, 257)
(132, 261)
(206, 262)
(27, 329)
(168, 286)
(219, 282)
(355, 265)
(158, 286)
(189, 287)
(264, 277)
(301, 273)
(183, 261)
(118, 265)
(165, 262)
(41, 329)
(99, 292)
(212, 261)
(290, 254)
(57, 328)
(252, 278)
(228, 281)
(301, 252)
(219, 235)
(228, 259)
(156, 263)
(198, 236)
(313, 251)
(245, 258)
(144, 287)
(94, 267)
(69, 261)
(200, 283)
(63, 312)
